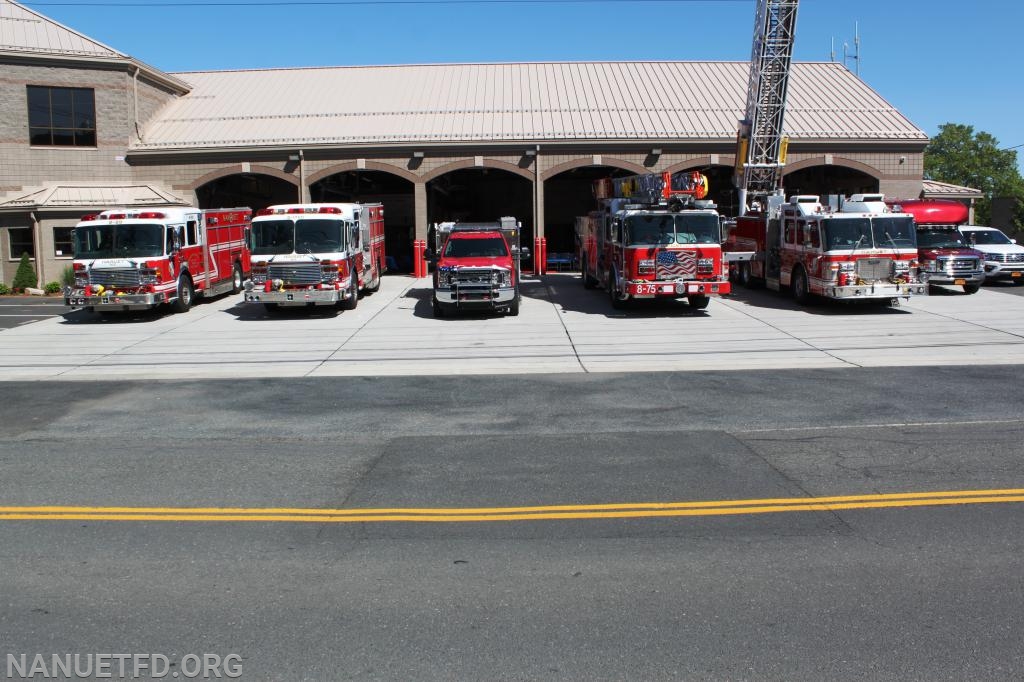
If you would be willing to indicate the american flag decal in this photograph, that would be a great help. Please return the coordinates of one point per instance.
(676, 264)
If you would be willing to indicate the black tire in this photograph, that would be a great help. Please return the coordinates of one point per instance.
(352, 301)
(743, 274)
(613, 294)
(236, 279)
(185, 295)
(698, 301)
(801, 294)
(589, 281)
(513, 308)
(376, 285)
(971, 288)
(436, 306)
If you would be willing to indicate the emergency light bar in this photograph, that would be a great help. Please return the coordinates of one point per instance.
(298, 209)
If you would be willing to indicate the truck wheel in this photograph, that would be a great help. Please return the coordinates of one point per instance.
(352, 301)
(971, 288)
(743, 274)
(437, 307)
(589, 282)
(698, 301)
(376, 285)
(801, 293)
(236, 279)
(613, 293)
(185, 292)
(513, 308)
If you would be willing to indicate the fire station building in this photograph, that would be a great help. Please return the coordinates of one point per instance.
(85, 127)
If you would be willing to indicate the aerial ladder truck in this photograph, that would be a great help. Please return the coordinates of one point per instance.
(861, 251)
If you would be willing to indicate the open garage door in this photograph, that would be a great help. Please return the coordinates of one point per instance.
(826, 180)
(567, 196)
(482, 195)
(253, 190)
(372, 186)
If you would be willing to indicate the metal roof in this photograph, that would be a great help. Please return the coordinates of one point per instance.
(22, 30)
(934, 189)
(91, 196)
(557, 101)
(24, 33)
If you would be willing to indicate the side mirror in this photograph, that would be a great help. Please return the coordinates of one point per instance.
(524, 252)
(1013, 241)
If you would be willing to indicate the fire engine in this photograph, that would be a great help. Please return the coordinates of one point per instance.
(862, 250)
(944, 256)
(477, 266)
(316, 254)
(139, 258)
(656, 236)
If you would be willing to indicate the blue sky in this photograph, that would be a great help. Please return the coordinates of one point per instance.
(936, 61)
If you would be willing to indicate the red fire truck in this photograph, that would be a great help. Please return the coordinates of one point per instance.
(139, 258)
(862, 250)
(316, 254)
(944, 257)
(654, 237)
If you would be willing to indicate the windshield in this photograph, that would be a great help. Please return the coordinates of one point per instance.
(894, 232)
(118, 241)
(865, 233)
(939, 239)
(481, 247)
(318, 236)
(987, 237)
(678, 228)
(271, 237)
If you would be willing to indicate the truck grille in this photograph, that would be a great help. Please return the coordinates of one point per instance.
(874, 269)
(115, 277)
(296, 273)
(956, 266)
(471, 277)
(1005, 257)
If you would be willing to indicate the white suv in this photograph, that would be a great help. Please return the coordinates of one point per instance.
(1004, 257)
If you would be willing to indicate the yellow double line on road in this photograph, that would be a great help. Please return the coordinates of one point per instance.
(492, 514)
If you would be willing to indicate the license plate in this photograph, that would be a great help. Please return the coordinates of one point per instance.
(959, 282)
(644, 289)
(1014, 274)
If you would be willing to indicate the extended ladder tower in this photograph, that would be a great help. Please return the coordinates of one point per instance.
(761, 152)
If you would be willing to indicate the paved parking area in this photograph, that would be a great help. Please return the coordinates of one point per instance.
(561, 328)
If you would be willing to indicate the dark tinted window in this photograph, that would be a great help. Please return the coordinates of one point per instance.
(61, 117)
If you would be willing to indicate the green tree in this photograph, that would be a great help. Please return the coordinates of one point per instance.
(25, 276)
(960, 156)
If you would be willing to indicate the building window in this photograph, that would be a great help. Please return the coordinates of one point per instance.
(21, 241)
(61, 117)
(62, 244)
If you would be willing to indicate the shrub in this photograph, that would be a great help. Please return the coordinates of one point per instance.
(67, 278)
(53, 287)
(4, 289)
(25, 277)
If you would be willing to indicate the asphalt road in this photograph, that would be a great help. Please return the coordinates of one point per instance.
(16, 311)
(752, 588)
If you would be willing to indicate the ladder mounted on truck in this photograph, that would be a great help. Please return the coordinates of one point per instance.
(657, 189)
(761, 146)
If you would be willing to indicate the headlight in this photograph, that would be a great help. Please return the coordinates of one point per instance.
(928, 265)
(444, 279)
(148, 276)
(259, 274)
(901, 266)
(505, 278)
(645, 266)
(705, 266)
